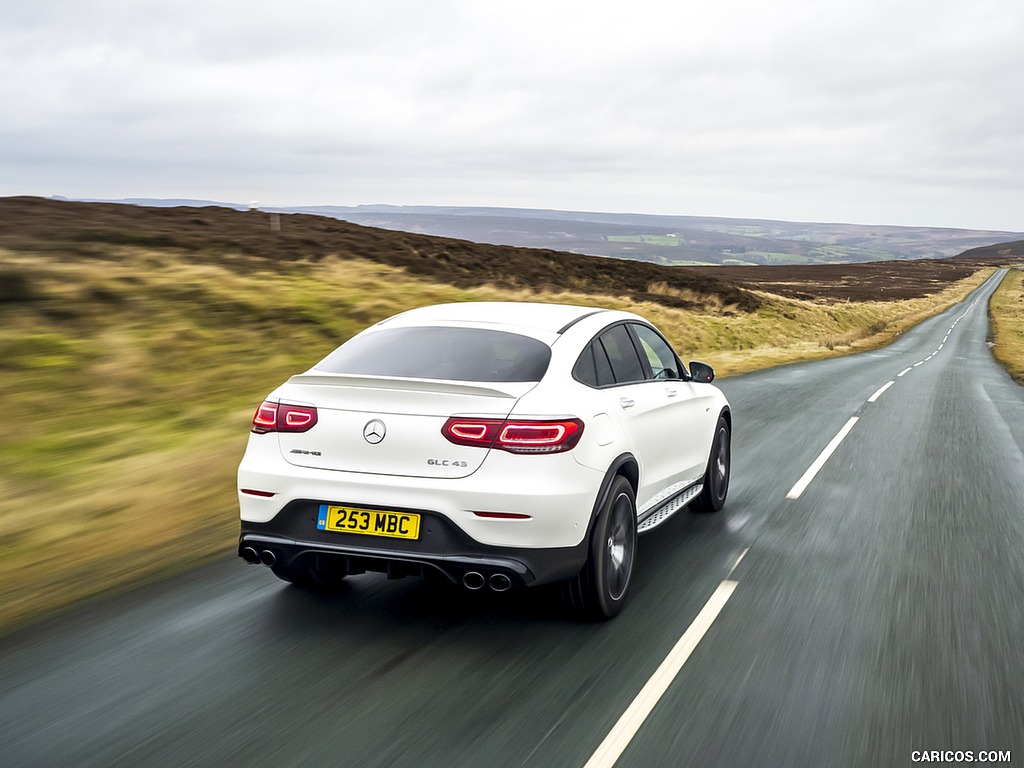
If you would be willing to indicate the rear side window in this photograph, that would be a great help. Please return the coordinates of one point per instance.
(593, 368)
(454, 354)
(622, 355)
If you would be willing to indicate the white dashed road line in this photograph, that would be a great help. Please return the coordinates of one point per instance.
(803, 482)
(738, 561)
(625, 729)
(880, 391)
(823, 457)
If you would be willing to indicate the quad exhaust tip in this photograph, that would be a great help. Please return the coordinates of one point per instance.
(251, 556)
(473, 581)
(500, 582)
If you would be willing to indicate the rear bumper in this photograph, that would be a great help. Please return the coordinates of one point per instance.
(554, 492)
(293, 541)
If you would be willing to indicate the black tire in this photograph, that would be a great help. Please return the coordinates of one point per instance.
(716, 476)
(311, 573)
(600, 589)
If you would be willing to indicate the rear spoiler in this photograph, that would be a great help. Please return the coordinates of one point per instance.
(509, 389)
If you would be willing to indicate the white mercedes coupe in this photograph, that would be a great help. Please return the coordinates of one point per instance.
(493, 445)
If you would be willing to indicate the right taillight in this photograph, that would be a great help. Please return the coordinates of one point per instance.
(281, 417)
(515, 435)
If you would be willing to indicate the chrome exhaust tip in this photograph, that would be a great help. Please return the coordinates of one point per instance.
(473, 581)
(267, 557)
(500, 582)
(250, 555)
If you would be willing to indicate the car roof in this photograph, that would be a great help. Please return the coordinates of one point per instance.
(535, 316)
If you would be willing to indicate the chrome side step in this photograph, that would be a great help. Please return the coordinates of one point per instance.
(673, 505)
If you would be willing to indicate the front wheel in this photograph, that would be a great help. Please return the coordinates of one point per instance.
(716, 476)
(599, 591)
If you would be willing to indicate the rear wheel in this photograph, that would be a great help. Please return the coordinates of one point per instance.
(599, 591)
(311, 572)
(716, 476)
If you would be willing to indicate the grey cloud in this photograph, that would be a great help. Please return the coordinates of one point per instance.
(841, 111)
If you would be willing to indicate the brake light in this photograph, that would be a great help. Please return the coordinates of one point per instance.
(280, 417)
(481, 432)
(515, 435)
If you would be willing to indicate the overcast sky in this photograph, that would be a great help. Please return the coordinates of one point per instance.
(861, 111)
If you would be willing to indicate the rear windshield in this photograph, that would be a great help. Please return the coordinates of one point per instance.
(455, 354)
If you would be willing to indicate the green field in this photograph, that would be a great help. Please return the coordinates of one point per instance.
(664, 240)
(779, 258)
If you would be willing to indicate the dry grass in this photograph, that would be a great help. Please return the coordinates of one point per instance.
(1006, 313)
(129, 381)
(785, 331)
(128, 388)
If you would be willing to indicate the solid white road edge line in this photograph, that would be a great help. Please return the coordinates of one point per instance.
(625, 729)
(803, 482)
(880, 391)
(904, 372)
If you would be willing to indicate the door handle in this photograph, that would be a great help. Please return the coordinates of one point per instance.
(626, 402)
(671, 392)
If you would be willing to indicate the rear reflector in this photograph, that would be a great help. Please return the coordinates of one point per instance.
(264, 494)
(281, 417)
(515, 435)
(503, 515)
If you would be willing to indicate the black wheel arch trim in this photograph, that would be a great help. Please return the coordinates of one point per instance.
(625, 464)
(726, 413)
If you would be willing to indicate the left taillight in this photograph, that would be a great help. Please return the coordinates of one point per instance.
(515, 435)
(281, 417)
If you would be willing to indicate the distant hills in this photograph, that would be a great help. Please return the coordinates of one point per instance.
(259, 239)
(669, 240)
(675, 240)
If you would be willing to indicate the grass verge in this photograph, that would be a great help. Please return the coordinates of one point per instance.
(1006, 316)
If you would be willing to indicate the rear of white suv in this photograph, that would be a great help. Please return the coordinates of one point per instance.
(463, 441)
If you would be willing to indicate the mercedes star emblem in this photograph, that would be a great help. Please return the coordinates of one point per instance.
(374, 431)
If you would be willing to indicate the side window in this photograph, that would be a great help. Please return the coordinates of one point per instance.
(658, 353)
(593, 368)
(605, 377)
(584, 370)
(626, 365)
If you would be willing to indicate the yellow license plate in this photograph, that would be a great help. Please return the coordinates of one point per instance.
(372, 522)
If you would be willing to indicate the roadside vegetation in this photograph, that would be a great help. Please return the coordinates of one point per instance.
(130, 373)
(1006, 314)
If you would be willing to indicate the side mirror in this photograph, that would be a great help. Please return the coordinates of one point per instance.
(701, 373)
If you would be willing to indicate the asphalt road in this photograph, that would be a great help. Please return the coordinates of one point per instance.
(879, 613)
